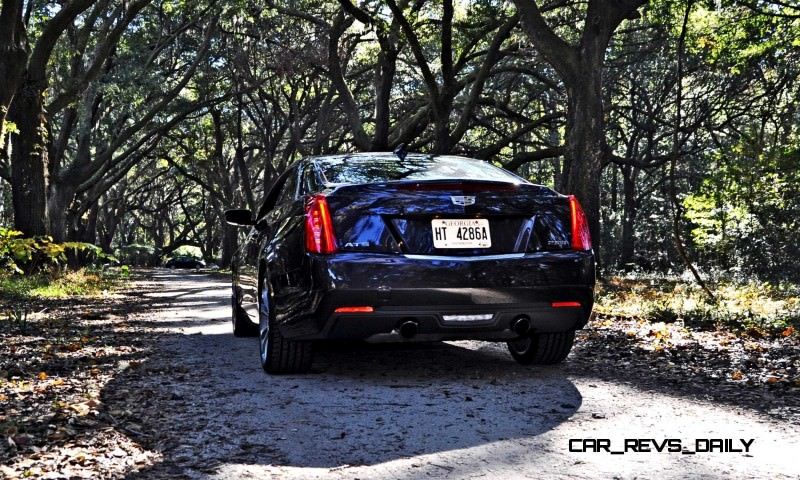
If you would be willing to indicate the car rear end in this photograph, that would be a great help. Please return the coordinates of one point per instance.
(452, 249)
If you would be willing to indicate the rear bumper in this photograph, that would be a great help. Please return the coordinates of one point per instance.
(448, 322)
(430, 289)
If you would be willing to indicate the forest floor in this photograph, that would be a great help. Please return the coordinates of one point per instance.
(148, 382)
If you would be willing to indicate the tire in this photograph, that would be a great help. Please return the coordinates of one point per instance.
(242, 326)
(279, 355)
(542, 348)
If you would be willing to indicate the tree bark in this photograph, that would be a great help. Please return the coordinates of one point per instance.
(384, 80)
(29, 172)
(629, 212)
(13, 59)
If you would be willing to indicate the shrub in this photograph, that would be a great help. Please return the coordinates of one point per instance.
(20, 254)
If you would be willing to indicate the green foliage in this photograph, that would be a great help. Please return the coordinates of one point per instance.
(19, 255)
(136, 254)
(9, 127)
(187, 251)
(11, 249)
(745, 215)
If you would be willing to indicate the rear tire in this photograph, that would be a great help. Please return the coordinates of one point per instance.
(542, 348)
(279, 355)
(242, 326)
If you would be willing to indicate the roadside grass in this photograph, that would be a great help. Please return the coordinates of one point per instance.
(72, 283)
(757, 309)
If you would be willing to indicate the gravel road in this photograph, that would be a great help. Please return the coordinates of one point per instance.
(449, 410)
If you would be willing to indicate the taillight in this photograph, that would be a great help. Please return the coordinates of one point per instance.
(319, 226)
(581, 239)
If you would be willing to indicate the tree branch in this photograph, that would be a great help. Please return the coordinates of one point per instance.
(556, 51)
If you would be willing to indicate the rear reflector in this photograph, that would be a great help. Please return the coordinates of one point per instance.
(565, 304)
(354, 310)
(581, 239)
(319, 226)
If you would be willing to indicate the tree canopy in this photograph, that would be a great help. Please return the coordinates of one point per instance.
(675, 122)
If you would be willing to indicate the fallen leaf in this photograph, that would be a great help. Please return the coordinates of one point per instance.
(80, 408)
(42, 376)
(788, 332)
(737, 375)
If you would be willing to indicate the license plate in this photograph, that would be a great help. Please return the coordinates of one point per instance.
(461, 233)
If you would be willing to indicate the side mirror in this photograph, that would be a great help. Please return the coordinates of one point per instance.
(239, 218)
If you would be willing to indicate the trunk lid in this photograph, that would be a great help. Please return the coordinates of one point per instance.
(402, 216)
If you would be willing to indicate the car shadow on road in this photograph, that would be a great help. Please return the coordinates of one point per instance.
(209, 403)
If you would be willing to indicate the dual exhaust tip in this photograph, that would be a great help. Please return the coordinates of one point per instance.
(521, 325)
(408, 329)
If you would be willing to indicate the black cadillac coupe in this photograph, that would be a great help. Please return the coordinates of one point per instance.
(387, 247)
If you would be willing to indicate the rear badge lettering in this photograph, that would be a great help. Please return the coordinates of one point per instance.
(558, 243)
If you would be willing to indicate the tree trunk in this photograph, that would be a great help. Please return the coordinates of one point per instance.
(29, 174)
(229, 237)
(228, 246)
(585, 144)
(88, 231)
(629, 211)
(109, 224)
(442, 109)
(387, 67)
(13, 59)
(57, 207)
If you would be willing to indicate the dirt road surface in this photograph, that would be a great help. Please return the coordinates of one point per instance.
(453, 410)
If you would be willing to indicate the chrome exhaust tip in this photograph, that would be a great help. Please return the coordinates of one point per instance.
(521, 325)
(408, 329)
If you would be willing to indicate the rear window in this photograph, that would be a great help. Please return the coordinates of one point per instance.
(370, 169)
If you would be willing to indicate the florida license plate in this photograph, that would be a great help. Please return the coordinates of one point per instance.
(461, 233)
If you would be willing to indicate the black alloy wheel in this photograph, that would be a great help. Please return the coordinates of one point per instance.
(279, 355)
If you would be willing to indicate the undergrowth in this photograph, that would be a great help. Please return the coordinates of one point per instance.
(754, 308)
(82, 282)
